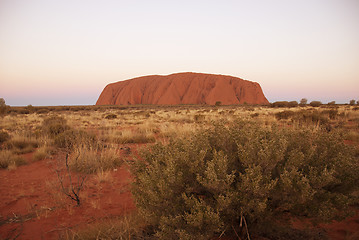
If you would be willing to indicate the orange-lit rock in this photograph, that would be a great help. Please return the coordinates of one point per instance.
(182, 88)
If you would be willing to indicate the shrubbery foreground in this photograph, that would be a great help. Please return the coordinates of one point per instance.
(245, 178)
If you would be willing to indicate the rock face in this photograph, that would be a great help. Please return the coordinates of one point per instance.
(182, 88)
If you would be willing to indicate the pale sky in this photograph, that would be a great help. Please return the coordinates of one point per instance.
(64, 52)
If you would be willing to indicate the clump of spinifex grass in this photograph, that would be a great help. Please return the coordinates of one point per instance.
(10, 160)
(91, 160)
(21, 144)
(129, 136)
(43, 152)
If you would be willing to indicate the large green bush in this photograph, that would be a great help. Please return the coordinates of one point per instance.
(228, 176)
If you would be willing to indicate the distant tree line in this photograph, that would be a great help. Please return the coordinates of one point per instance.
(304, 102)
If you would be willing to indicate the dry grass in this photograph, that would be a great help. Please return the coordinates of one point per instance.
(125, 227)
(9, 160)
(42, 153)
(86, 160)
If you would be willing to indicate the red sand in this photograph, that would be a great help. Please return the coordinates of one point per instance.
(182, 88)
(33, 206)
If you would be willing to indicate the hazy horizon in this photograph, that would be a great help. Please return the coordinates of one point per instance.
(66, 52)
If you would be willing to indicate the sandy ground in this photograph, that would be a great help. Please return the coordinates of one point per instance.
(32, 205)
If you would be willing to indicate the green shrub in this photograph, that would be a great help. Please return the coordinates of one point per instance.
(200, 187)
(9, 159)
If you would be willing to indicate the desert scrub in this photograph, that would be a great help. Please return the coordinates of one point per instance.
(21, 144)
(54, 125)
(10, 160)
(221, 178)
(42, 153)
(111, 116)
(90, 160)
(4, 136)
(128, 136)
(69, 138)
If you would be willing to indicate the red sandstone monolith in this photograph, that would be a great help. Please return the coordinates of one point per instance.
(182, 88)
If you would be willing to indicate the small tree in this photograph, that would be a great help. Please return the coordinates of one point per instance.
(303, 101)
(352, 102)
(3, 107)
(30, 108)
(71, 188)
(218, 103)
(331, 103)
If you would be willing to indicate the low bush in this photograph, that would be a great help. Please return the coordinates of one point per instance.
(8, 159)
(280, 104)
(4, 136)
(21, 145)
(69, 138)
(315, 103)
(306, 118)
(54, 125)
(332, 114)
(293, 104)
(226, 178)
(199, 117)
(284, 115)
(111, 116)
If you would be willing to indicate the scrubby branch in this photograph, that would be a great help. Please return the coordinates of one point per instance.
(74, 192)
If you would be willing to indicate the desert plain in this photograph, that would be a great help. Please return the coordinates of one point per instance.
(66, 172)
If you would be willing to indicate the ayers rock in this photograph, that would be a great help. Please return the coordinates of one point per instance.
(182, 88)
